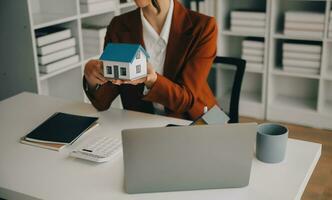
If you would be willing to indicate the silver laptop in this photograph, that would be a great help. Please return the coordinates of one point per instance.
(188, 157)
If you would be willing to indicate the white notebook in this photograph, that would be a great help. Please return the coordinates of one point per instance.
(253, 44)
(304, 33)
(58, 64)
(300, 70)
(252, 51)
(247, 29)
(304, 16)
(308, 48)
(247, 22)
(43, 60)
(250, 15)
(57, 46)
(304, 26)
(51, 34)
(301, 56)
(301, 63)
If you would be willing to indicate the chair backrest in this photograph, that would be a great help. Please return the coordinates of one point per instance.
(240, 66)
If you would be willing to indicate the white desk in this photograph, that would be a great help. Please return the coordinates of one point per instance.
(28, 172)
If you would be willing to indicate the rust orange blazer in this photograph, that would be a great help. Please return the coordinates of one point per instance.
(183, 88)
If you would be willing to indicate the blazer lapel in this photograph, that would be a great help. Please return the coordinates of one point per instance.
(179, 41)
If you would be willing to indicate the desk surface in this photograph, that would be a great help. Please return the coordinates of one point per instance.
(28, 172)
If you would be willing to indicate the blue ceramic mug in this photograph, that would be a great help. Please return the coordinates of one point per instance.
(271, 142)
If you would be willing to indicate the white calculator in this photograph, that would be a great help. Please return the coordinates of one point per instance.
(99, 149)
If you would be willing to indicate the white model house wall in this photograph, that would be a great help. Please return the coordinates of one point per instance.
(114, 63)
(142, 63)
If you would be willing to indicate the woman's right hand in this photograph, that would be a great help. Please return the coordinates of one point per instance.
(93, 73)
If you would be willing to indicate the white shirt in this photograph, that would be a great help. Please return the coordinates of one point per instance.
(156, 45)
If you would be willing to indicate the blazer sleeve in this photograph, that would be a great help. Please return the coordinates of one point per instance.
(103, 97)
(185, 95)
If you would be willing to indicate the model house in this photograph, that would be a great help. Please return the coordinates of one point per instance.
(124, 61)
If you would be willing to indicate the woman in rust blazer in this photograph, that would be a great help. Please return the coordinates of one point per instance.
(182, 89)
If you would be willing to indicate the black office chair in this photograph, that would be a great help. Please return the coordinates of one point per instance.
(240, 66)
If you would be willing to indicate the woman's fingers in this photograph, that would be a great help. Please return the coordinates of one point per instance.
(100, 76)
(94, 80)
(135, 82)
(117, 82)
(100, 66)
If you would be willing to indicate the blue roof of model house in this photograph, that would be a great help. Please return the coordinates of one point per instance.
(122, 52)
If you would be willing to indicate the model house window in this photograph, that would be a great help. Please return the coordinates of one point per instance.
(123, 71)
(109, 69)
(138, 55)
(138, 69)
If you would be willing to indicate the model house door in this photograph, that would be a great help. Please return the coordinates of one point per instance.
(116, 72)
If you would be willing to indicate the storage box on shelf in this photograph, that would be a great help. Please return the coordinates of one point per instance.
(253, 52)
(240, 16)
(293, 20)
(56, 48)
(248, 21)
(302, 58)
(68, 46)
(252, 49)
(304, 24)
(296, 58)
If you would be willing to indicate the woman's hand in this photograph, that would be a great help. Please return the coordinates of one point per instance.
(93, 73)
(149, 80)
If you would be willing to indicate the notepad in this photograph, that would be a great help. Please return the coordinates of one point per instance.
(59, 130)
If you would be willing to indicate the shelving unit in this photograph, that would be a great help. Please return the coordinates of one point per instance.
(252, 100)
(48, 12)
(19, 45)
(273, 93)
(295, 97)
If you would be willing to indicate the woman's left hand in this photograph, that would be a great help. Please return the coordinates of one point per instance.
(149, 80)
